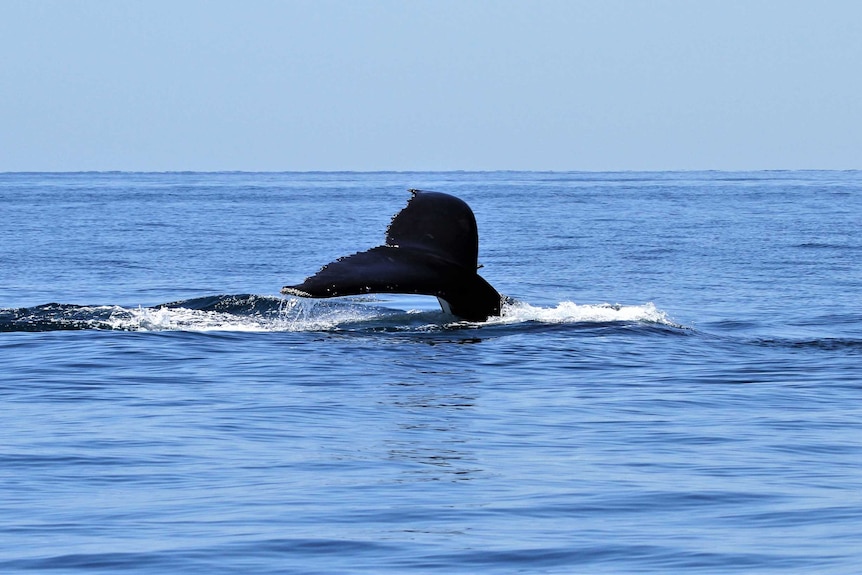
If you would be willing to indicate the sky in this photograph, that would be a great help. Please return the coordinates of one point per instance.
(285, 85)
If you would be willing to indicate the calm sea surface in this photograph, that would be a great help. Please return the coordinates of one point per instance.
(677, 389)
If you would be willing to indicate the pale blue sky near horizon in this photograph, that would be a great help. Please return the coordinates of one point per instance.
(210, 85)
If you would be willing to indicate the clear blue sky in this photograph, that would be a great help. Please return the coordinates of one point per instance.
(437, 85)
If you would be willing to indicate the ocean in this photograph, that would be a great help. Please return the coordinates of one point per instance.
(675, 387)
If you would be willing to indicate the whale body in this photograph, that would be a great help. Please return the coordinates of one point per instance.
(432, 248)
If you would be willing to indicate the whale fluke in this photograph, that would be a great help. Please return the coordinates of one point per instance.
(432, 248)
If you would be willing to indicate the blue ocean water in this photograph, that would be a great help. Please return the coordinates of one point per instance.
(678, 387)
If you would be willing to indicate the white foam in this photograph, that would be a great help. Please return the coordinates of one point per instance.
(570, 312)
(298, 315)
(180, 319)
(294, 315)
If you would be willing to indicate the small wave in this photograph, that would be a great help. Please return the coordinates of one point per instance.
(237, 313)
(817, 344)
(252, 313)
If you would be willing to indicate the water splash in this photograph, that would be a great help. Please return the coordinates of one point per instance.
(290, 314)
(570, 312)
(252, 313)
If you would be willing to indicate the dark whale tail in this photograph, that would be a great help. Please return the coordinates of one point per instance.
(432, 248)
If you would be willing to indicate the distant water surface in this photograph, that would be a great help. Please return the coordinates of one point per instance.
(678, 387)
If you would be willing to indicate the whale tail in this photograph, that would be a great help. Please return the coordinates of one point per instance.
(432, 248)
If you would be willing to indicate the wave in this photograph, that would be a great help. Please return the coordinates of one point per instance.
(847, 344)
(255, 313)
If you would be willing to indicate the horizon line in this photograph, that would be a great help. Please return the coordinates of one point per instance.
(412, 171)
